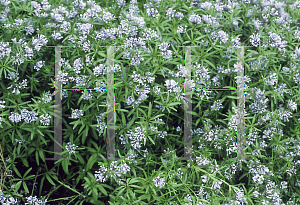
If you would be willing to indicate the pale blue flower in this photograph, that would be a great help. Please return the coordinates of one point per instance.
(76, 113)
(56, 36)
(70, 148)
(45, 119)
(14, 117)
(159, 182)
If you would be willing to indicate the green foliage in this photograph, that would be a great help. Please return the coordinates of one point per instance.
(150, 130)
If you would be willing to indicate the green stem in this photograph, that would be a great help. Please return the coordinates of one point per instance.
(34, 182)
(65, 198)
(70, 188)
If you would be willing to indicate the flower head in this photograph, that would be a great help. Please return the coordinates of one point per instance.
(70, 148)
(76, 113)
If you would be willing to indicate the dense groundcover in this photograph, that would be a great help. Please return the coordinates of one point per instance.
(149, 88)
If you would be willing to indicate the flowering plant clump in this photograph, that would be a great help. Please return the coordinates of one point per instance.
(151, 39)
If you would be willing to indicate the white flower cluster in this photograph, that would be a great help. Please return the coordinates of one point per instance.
(260, 103)
(276, 41)
(70, 148)
(35, 201)
(208, 19)
(56, 36)
(162, 134)
(166, 53)
(285, 115)
(156, 90)
(28, 116)
(297, 34)
(77, 65)
(2, 106)
(87, 95)
(202, 160)
(153, 12)
(137, 137)
(240, 196)
(255, 39)
(5, 49)
(104, 173)
(7, 200)
(292, 105)
(170, 13)
(172, 85)
(181, 29)
(14, 76)
(39, 42)
(272, 78)
(206, 5)
(231, 171)
(19, 141)
(100, 123)
(217, 105)
(179, 15)
(281, 89)
(159, 181)
(149, 34)
(25, 114)
(38, 65)
(101, 175)
(76, 113)
(259, 171)
(46, 97)
(195, 19)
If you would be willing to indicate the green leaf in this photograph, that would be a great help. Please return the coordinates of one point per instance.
(123, 119)
(94, 193)
(65, 166)
(42, 155)
(120, 192)
(102, 190)
(32, 134)
(219, 120)
(142, 111)
(151, 140)
(50, 180)
(17, 172)
(37, 158)
(25, 162)
(232, 97)
(17, 186)
(101, 53)
(133, 180)
(81, 128)
(145, 196)
(41, 134)
(75, 123)
(86, 131)
(131, 122)
(91, 161)
(149, 110)
(122, 110)
(25, 187)
(157, 116)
